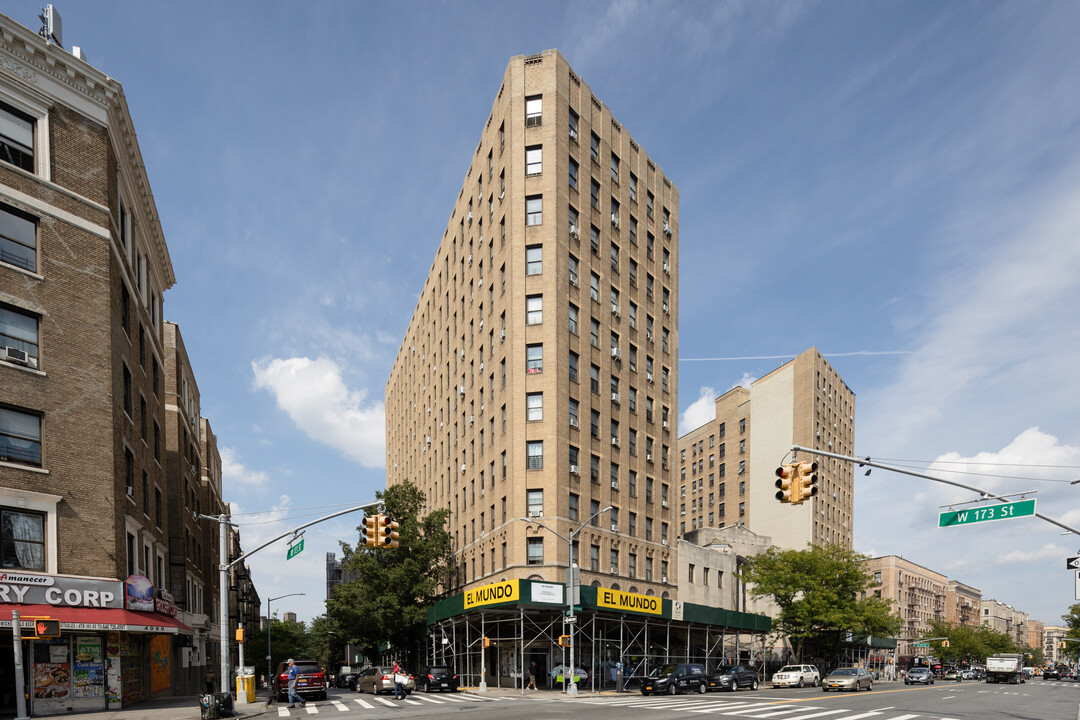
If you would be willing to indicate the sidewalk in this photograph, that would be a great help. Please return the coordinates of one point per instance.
(181, 707)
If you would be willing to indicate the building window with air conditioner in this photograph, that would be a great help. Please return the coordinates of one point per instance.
(572, 409)
(18, 236)
(18, 336)
(535, 502)
(534, 454)
(534, 210)
(536, 551)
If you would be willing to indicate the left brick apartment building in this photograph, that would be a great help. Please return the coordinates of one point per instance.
(104, 456)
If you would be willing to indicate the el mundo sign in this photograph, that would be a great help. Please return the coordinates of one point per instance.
(500, 592)
(630, 602)
(1004, 511)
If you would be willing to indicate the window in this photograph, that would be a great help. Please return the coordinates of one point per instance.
(534, 210)
(633, 187)
(594, 424)
(594, 556)
(22, 540)
(573, 508)
(534, 359)
(594, 378)
(19, 331)
(633, 230)
(16, 138)
(614, 257)
(533, 110)
(594, 287)
(534, 260)
(594, 147)
(594, 240)
(535, 502)
(534, 452)
(614, 167)
(534, 309)
(534, 163)
(594, 194)
(742, 425)
(573, 324)
(573, 366)
(534, 406)
(573, 271)
(129, 472)
(573, 412)
(594, 475)
(125, 309)
(536, 551)
(18, 236)
(573, 173)
(594, 332)
(649, 204)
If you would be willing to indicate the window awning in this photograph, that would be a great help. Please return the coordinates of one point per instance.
(81, 618)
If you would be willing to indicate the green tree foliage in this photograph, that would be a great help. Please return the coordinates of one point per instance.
(971, 643)
(393, 587)
(287, 640)
(1072, 621)
(821, 595)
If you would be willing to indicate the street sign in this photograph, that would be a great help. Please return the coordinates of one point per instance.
(921, 645)
(295, 550)
(1004, 511)
(1073, 563)
(1077, 593)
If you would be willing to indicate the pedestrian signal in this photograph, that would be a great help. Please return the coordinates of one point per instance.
(47, 628)
(564, 641)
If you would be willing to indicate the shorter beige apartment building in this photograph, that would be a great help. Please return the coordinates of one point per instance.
(1006, 619)
(1052, 637)
(962, 603)
(917, 594)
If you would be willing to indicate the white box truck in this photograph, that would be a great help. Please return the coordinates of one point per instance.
(1006, 667)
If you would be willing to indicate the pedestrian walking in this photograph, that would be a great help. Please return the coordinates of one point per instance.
(294, 673)
(209, 679)
(399, 682)
(532, 676)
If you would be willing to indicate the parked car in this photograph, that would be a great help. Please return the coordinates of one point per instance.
(343, 680)
(561, 672)
(796, 676)
(919, 675)
(674, 679)
(733, 677)
(439, 677)
(376, 679)
(848, 678)
(310, 682)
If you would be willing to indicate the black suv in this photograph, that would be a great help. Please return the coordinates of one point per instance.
(733, 677)
(673, 679)
(438, 677)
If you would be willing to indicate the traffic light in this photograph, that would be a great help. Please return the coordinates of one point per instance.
(47, 628)
(388, 532)
(371, 531)
(787, 489)
(1061, 645)
(564, 641)
(944, 643)
(487, 641)
(807, 484)
(239, 635)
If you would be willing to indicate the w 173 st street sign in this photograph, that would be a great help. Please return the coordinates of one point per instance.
(295, 550)
(1004, 511)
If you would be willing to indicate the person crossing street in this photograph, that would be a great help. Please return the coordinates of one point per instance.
(294, 698)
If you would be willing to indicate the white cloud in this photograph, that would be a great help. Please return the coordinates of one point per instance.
(746, 381)
(315, 397)
(1021, 557)
(700, 411)
(233, 471)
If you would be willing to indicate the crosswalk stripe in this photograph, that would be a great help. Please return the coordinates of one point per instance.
(283, 711)
(781, 711)
(451, 698)
(753, 706)
(823, 713)
(385, 702)
(411, 702)
(364, 704)
(429, 699)
(339, 705)
(311, 710)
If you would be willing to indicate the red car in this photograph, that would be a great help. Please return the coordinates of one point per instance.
(310, 683)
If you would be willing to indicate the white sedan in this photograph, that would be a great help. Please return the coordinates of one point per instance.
(796, 676)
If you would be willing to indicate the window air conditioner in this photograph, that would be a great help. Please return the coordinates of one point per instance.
(574, 470)
(461, 390)
(614, 309)
(667, 229)
(648, 458)
(614, 484)
(667, 267)
(428, 439)
(536, 513)
(472, 419)
(131, 492)
(462, 467)
(616, 353)
(648, 377)
(16, 355)
(666, 424)
(614, 220)
(502, 334)
(664, 542)
(663, 503)
(615, 398)
(574, 231)
(614, 569)
(573, 422)
(615, 442)
(481, 368)
(470, 257)
(502, 195)
(663, 579)
(468, 218)
(573, 134)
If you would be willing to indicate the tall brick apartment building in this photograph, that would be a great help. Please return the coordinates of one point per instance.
(103, 456)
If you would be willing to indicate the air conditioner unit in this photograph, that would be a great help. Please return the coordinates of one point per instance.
(131, 492)
(16, 355)
(573, 279)
(667, 267)
(616, 353)
(468, 218)
(614, 220)
(502, 195)
(614, 569)
(462, 354)
(648, 458)
(615, 442)
(648, 335)
(574, 470)
(663, 503)
(667, 229)
(194, 470)
(462, 467)
(470, 257)
(615, 397)
(648, 377)
(663, 579)
(573, 134)
(614, 309)
(481, 368)
(502, 334)
(472, 419)
(666, 311)
(573, 422)
(574, 231)
(461, 389)
(666, 424)
(536, 513)
(428, 439)
(664, 543)
(614, 484)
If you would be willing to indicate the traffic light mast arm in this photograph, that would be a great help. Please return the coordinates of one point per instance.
(904, 471)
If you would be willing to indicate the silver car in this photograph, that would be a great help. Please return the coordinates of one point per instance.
(796, 676)
(376, 680)
(848, 678)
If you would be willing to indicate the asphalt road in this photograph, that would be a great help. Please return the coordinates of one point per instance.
(1035, 700)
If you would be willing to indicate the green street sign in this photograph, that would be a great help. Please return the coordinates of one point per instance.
(1004, 511)
(295, 550)
(921, 645)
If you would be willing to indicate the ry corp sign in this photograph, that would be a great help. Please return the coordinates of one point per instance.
(31, 589)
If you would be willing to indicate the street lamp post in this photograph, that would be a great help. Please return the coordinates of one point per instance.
(269, 624)
(571, 583)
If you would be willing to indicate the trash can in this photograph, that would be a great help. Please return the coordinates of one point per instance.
(208, 707)
(245, 689)
(224, 704)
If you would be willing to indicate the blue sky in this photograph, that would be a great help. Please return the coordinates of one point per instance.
(894, 177)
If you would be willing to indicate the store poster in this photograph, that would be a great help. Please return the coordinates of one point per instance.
(88, 670)
(112, 674)
(52, 680)
(160, 671)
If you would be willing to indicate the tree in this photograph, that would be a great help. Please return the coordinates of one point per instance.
(821, 594)
(388, 598)
(1072, 621)
(969, 643)
(288, 640)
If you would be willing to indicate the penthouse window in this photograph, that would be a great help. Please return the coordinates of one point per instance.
(534, 107)
(534, 210)
(20, 437)
(18, 336)
(22, 540)
(18, 238)
(16, 138)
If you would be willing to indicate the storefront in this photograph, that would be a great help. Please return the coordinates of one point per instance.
(496, 631)
(116, 645)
